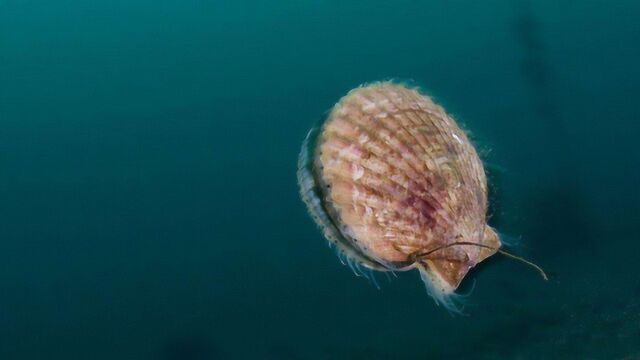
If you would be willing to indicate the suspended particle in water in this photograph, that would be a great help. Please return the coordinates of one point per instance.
(395, 184)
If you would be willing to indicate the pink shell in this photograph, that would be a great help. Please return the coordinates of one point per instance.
(399, 178)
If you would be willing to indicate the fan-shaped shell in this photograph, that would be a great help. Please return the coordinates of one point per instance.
(390, 176)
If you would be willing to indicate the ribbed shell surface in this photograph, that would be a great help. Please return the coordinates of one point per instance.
(400, 177)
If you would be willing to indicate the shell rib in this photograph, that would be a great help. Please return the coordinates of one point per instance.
(393, 176)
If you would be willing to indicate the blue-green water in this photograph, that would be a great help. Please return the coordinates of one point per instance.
(149, 206)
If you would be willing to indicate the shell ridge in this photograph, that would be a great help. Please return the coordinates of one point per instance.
(400, 109)
(374, 132)
(433, 199)
(309, 193)
(426, 196)
(414, 162)
(422, 181)
(386, 159)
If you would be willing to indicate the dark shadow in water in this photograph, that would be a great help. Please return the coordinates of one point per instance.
(280, 351)
(190, 348)
(505, 338)
(538, 75)
(559, 219)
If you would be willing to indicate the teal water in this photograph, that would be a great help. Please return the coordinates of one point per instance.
(149, 201)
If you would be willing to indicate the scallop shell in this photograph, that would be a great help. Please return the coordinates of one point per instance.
(396, 184)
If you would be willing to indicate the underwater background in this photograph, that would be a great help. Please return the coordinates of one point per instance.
(149, 206)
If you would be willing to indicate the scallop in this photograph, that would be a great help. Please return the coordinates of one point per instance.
(395, 184)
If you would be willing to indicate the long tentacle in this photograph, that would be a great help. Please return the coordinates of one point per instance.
(458, 243)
